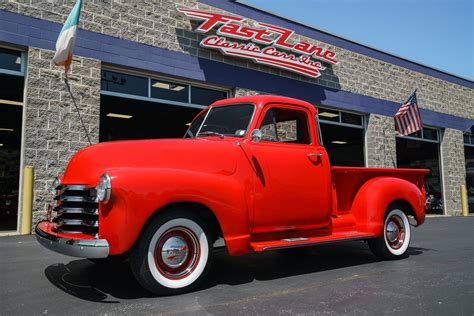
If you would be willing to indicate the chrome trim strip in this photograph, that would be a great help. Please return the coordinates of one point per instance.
(80, 248)
(315, 243)
(73, 187)
(76, 198)
(77, 222)
(202, 123)
(76, 210)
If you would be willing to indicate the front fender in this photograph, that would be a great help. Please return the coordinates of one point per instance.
(374, 197)
(138, 193)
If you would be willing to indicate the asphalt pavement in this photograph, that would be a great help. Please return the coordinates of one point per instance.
(437, 278)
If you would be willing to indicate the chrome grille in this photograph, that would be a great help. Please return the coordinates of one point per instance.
(76, 210)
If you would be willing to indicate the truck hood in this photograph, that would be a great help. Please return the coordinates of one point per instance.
(208, 155)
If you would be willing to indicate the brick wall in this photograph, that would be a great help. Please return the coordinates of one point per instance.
(158, 23)
(381, 146)
(239, 92)
(453, 167)
(53, 132)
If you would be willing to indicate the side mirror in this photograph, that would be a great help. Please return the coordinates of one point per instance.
(256, 135)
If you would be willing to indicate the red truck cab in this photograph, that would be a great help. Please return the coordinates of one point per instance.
(250, 170)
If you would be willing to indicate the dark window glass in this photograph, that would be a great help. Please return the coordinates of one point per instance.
(286, 126)
(345, 145)
(10, 59)
(169, 91)
(429, 133)
(350, 118)
(194, 128)
(12, 89)
(123, 118)
(122, 83)
(231, 120)
(413, 153)
(11, 112)
(469, 156)
(468, 139)
(416, 134)
(328, 115)
(204, 96)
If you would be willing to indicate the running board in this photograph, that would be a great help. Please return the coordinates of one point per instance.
(308, 241)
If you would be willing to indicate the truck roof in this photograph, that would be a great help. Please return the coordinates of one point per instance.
(263, 99)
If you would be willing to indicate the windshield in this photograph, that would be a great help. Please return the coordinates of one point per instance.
(228, 120)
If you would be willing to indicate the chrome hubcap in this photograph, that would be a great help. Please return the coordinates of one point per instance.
(395, 232)
(177, 253)
(174, 252)
(392, 231)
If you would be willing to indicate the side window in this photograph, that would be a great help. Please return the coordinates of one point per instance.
(285, 126)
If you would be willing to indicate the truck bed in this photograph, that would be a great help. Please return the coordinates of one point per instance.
(348, 180)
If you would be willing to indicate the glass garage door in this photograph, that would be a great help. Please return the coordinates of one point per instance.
(469, 156)
(138, 107)
(421, 150)
(11, 112)
(343, 137)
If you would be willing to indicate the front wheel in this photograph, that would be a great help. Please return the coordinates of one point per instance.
(395, 240)
(173, 254)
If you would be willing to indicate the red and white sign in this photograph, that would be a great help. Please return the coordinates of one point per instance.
(297, 57)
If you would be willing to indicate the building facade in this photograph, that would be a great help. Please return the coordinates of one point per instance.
(144, 69)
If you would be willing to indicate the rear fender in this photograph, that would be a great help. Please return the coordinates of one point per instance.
(138, 193)
(374, 197)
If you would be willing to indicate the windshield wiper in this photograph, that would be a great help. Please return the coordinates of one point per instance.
(210, 133)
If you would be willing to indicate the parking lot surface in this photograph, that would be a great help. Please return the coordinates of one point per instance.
(437, 278)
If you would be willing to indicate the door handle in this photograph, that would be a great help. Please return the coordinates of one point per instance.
(315, 155)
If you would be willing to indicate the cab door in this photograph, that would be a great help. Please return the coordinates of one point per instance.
(292, 186)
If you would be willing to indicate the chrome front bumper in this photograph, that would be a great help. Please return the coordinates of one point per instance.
(81, 248)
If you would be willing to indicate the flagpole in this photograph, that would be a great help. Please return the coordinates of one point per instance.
(66, 82)
(63, 54)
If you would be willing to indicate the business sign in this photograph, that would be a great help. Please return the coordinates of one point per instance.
(273, 47)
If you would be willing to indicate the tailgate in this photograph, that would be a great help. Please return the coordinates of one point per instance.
(348, 180)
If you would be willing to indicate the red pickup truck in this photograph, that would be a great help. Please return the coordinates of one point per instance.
(251, 170)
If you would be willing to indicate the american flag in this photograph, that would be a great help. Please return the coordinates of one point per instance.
(408, 119)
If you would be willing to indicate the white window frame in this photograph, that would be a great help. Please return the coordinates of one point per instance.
(150, 77)
(440, 157)
(363, 125)
(21, 73)
(423, 139)
(471, 144)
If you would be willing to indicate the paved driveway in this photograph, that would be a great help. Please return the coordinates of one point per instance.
(345, 278)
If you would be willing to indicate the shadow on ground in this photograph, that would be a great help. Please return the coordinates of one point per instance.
(107, 283)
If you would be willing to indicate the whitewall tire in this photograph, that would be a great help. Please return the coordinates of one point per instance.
(173, 253)
(396, 236)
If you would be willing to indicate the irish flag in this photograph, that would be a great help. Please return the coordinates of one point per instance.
(67, 38)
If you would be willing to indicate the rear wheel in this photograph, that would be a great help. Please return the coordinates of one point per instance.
(395, 240)
(173, 254)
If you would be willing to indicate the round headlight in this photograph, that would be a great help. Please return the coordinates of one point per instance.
(104, 188)
(55, 186)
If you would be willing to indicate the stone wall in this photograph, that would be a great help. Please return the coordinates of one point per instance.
(158, 23)
(53, 132)
(240, 92)
(453, 168)
(381, 145)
